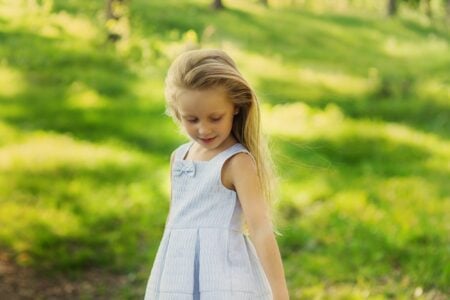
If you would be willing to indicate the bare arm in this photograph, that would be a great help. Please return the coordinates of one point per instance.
(244, 178)
(172, 156)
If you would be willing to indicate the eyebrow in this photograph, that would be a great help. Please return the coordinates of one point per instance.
(215, 114)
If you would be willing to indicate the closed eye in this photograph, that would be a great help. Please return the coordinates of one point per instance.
(216, 119)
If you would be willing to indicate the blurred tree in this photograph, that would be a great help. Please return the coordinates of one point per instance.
(428, 8)
(426, 4)
(448, 10)
(265, 2)
(413, 3)
(115, 11)
(392, 7)
(217, 4)
(446, 4)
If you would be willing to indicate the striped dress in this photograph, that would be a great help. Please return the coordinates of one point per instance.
(204, 254)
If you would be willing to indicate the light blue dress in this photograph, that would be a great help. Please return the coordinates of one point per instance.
(203, 254)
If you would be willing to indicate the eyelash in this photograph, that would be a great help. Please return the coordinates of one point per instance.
(195, 120)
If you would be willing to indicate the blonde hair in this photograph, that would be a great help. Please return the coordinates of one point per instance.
(210, 68)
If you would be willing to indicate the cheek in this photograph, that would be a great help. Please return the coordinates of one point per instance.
(226, 124)
(230, 120)
(187, 126)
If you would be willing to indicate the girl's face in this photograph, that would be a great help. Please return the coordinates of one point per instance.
(207, 116)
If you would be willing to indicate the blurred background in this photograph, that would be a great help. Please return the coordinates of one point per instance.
(356, 103)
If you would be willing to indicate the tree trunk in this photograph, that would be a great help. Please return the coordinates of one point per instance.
(114, 14)
(428, 8)
(448, 10)
(217, 4)
(392, 7)
(264, 2)
(110, 10)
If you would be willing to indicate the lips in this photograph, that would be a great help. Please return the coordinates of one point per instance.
(208, 140)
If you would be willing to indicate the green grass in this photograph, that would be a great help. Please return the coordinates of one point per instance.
(357, 107)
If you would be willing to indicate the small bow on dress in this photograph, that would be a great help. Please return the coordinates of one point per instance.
(186, 167)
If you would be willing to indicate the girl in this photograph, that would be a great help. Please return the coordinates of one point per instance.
(219, 179)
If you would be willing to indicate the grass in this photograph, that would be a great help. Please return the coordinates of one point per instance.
(357, 108)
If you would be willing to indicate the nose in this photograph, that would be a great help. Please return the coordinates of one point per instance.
(203, 130)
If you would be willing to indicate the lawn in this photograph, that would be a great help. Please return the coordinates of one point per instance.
(356, 106)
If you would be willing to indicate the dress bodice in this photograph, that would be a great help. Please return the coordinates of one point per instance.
(199, 199)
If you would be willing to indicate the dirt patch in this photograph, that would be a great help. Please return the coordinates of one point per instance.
(21, 283)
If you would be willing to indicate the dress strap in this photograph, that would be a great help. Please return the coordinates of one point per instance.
(181, 151)
(233, 150)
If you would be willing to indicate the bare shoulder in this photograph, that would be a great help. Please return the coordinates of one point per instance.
(242, 161)
(172, 156)
(240, 165)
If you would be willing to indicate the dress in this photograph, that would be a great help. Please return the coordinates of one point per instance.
(203, 254)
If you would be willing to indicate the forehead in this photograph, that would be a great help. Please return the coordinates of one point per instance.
(203, 101)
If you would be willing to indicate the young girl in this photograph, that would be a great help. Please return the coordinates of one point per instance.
(220, 179)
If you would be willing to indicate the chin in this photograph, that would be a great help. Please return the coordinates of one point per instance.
(211, 145)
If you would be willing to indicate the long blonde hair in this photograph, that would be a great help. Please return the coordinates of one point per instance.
(212, 68)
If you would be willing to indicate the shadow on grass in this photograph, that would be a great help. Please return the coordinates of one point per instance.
(365, 218)
(115, 238)
(388, 103)
(119, 212)
(328, 41)
(50, 78)
(344, 241)
(79, 7)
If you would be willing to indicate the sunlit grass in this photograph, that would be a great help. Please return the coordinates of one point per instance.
(43, 151)
(11, 82)
(8, 134)
(38, 15)
(22, 236)
(356, 108)
(79, 27)
(335, 82)
(434, 90)
(304, 81)
(299, 120)
(64, 190)
(352, 185)
(82, 97)
(432, 46)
